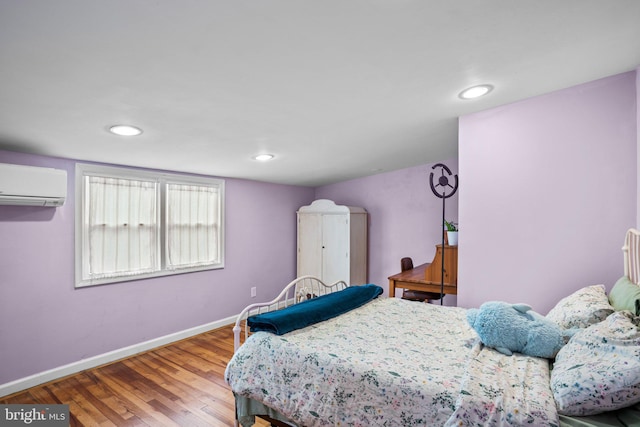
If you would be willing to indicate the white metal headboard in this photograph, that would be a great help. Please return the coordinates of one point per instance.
(631, 250)
(304, 287)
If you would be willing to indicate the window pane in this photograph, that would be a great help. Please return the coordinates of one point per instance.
(133, 224)
(193, 220)
(122, 227)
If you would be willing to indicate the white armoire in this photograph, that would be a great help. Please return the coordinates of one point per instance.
(332, 242)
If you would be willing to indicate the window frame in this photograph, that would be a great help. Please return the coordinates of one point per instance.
(162, 179)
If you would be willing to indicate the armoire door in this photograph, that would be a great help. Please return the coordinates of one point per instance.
(310, 245)
(335, 248)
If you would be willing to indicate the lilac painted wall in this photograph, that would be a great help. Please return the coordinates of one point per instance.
(638, 143)
(550, 187)
(404, 217)
(46, 323)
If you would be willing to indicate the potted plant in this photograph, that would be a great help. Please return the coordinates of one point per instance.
(452, 232)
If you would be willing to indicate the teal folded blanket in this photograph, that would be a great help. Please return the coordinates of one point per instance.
(313, 310)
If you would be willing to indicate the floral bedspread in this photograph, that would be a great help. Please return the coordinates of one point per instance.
(393, 363)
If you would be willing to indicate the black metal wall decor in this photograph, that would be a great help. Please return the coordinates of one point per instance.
(447, 190)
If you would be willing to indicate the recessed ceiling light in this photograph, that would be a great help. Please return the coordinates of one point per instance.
(125, 130)
(263, 157)
(475, 91)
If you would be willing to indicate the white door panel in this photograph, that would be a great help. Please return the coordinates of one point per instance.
(335, 233)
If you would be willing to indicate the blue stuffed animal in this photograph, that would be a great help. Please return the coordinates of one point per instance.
(513, 328)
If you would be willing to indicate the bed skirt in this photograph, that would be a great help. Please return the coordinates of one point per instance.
(625, 417)
(247, 410)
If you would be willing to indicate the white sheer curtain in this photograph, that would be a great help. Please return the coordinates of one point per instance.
(192, 225)
(121, 227)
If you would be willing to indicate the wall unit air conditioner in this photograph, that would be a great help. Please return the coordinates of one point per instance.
(32, 186)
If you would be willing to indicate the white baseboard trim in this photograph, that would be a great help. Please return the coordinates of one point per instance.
(101, 359)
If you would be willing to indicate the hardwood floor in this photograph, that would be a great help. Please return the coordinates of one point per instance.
(181, 384)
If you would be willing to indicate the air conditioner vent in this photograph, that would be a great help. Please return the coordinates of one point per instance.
(32, 186)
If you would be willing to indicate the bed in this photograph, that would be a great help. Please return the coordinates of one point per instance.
(394, 362)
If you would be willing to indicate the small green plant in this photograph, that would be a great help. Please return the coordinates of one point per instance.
(451, 226)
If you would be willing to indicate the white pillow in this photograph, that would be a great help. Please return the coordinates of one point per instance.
(582, 308)
(598, 370)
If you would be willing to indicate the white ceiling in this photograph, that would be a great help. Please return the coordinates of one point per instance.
(336, 89)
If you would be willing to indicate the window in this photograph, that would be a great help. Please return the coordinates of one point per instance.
(192, 225)
(134, 224)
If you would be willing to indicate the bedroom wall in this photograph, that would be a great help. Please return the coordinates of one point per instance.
(638, 143)
(550, 187)
(46, 323)
(404, 217)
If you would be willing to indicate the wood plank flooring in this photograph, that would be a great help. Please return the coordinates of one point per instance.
(181, 384)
